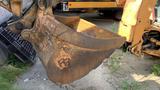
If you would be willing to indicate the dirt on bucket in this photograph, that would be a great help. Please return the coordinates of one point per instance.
(70, 47)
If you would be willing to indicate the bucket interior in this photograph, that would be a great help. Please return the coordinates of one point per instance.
(85, 27)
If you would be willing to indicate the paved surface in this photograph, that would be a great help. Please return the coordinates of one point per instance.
(105, 77)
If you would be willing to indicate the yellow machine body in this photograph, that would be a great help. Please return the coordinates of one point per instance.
(88, 6)
(72, 5)
(136, 22)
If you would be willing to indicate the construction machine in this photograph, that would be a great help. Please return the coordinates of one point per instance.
(69, 47)
(140, 22)
(107, 8)
(79, 5)
(141, 27)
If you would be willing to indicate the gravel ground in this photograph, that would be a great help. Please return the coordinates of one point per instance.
(105, 77)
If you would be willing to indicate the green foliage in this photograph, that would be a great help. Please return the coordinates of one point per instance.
(8, 75)
(114, 63)
(14, 61)
(132, 85)
(9, 72)
(156, 69)
(113, 27)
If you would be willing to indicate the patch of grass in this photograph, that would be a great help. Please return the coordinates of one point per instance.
(132, 85)
(114, 63)
(10, 71)
(113, 27)
(8, 75)
(156, 69)
(14, 61)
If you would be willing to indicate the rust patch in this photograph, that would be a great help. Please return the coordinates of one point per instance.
(62, 60)
(63, 57)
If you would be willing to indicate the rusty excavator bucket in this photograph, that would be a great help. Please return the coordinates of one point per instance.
(70, 47)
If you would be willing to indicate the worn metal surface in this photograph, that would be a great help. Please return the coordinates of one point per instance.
(152, 52)
(16, 6)
(5, 4)
(67, 54)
